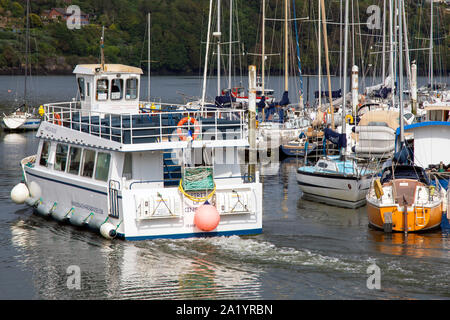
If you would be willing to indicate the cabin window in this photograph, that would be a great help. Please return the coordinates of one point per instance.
(88, 163)
(61, 157)
(81, 88)
(74, 160)
(116, 89)
(88, 89)
(43, 161)
(322, 165)
(102, 89)
(127, 166)
(102, 168)
(132, 85)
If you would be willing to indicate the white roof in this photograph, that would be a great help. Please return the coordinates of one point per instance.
(109, 68)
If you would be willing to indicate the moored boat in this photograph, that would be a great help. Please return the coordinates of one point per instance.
(105, 164)
(334, 181)
(404, 200)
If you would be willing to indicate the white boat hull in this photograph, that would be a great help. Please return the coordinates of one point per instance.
(339, 190)
(140, 214)
(20, 123)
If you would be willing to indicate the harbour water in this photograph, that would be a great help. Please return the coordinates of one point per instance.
(306, 251)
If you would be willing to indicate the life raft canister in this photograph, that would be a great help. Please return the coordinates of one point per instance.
(192, 121)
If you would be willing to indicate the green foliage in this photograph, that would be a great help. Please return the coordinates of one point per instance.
(178, 33)
(16, 9)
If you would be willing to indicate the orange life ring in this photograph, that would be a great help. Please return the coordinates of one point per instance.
(58, 119)
(192, 121)
(324, 117)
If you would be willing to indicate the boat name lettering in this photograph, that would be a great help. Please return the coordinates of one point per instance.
(87, 207)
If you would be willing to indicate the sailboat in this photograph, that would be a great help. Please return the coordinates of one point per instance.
(336, 180)
(403, 199)
(22, 118)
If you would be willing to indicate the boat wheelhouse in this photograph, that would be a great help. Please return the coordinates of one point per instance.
(140, 173)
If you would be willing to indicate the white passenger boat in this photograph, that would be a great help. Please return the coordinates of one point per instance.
(139, 174)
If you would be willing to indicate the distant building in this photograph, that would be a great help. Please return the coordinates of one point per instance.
(62, 15)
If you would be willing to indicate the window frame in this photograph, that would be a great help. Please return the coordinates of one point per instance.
(106, 90)
(48, 153)
(69, 160)
(82, 91)
(122, 87)
(83, 159)
(136, 88)
(56, 157)
(96, 166)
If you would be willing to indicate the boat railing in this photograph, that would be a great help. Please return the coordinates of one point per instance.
(149, 126)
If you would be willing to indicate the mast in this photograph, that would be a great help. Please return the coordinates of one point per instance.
(205, 69)
(400, 72)
(327, 61)
(391, 50)
(263, 48)
(148, 66)
(405, 33)
(286, 71)
(218, 34)
(431, 47)
(319, 55)
(344, 78)
(383, 67)
(230, 45)
(340, 43)
(27, 44)
(102, 47)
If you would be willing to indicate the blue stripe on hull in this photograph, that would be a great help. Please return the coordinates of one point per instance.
(194, 235)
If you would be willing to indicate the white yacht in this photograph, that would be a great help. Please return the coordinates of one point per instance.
(136, 173)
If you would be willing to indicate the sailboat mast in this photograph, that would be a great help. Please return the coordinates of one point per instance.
(344, 75)
(400, 65)
(391, 49)
(230, 45)
(383, 67)
(148, 65)
(286, 71)
(327, 61)
(205, 69)
(218, 47)
(319, 56)
(263, 46)
(27, 45)
(431, 46)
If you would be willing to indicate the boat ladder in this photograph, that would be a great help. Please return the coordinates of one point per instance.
(420, 217)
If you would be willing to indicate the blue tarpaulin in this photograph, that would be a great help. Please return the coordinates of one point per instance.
(336, 138)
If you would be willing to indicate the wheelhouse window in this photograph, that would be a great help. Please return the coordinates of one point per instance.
(102, 89)
(127, 166)
(81, 88)
(74, 160)
(131, 90)
(116, 89)
(102, 167)
(43, 161)
(88, 163)
(61, 157)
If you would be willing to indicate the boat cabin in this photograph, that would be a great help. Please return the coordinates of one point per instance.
(111, 88)
(437, 113)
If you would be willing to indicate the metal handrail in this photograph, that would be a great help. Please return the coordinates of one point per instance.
(69, 115)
